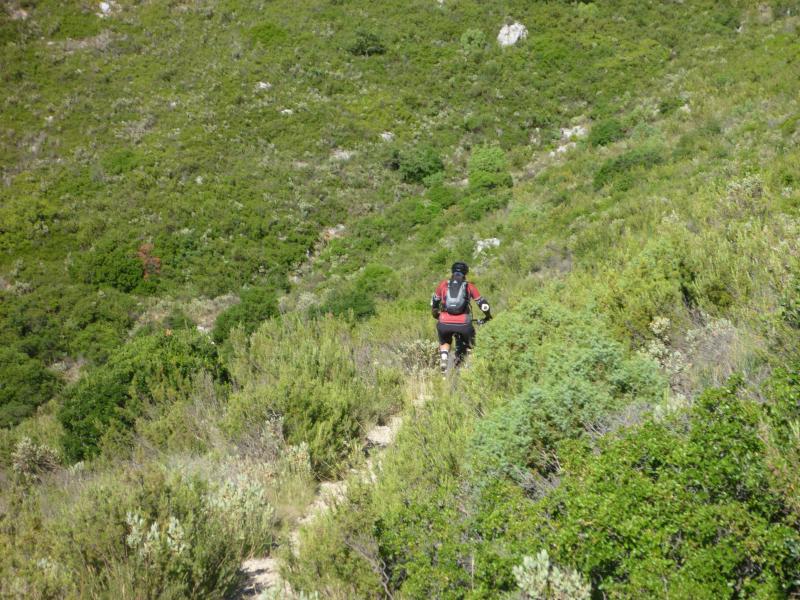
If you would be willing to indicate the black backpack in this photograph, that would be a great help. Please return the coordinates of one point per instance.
(456, 302)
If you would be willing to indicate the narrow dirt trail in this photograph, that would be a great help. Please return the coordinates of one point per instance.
(263, 573)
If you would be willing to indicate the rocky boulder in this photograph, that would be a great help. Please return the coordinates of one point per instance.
(511, 34)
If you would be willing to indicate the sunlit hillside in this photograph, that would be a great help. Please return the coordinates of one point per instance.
(221, 224)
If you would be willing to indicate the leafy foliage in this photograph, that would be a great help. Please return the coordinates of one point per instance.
(257, 305)
(419, 162)
(306, 373)
(695, 504)
(605, 132)
(110, 265)
(24, 384)
(220, 159)
(357, 299)
(473, 41)
(623, 169)
(488, 169)
(366, 43)
(102, 408)
(161, 533)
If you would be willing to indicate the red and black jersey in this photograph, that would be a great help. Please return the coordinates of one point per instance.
(466, 316)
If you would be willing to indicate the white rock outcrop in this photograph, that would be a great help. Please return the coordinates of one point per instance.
(482, 245)
(579, 131)
(341, 155)
(511, 34)
(562, 149)
(107, 9)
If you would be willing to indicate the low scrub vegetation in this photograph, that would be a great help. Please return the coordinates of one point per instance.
(220, 226)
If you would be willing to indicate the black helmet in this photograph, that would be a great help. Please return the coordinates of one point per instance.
(460, 267)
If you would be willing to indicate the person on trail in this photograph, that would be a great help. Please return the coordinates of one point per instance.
(450, 306)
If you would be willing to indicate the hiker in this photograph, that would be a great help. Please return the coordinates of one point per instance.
(450, 305)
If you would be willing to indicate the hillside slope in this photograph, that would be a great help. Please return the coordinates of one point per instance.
(220, 224)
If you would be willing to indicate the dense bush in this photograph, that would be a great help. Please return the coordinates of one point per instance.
(576, 390)
(357, 298)
(268, 34)
(139, 380)
(309, 374)
(256, 305)
(419, 162)
(232, 167)
(488, 169)
(623, 169)
(472, 41)
(120, 162)
(348, 302)
(478, 206)
(659, 281)
(24, 384)
(366, 43)
(109, 264)
(442, 195)
(606, 132)
(149, 533)
(685, 511)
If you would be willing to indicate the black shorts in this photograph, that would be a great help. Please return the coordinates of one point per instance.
(447, 330)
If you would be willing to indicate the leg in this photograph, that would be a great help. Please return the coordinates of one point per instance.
(445, 340)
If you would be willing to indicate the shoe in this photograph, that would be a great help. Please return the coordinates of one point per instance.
(444, 360)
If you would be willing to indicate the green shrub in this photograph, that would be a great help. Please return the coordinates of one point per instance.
(685, 511)
(670, 104)
(488, 169)
(605, 132)
(478, 206)
(109, 264)
(473, 41)
(442, 195)
(143, 533)
(418, 163)
(98, 323)
(781, 434)
(76, 24)
(309, 373)
(476, 122)
(268, 34)
(379, 281)
(137, 381)
(348, 301)
(587, 10)
(576, 388)
(120, 162)
(366, 43)
(25, 383)
(657, 281)
(503, 441)
(624, 167)
(257, 304)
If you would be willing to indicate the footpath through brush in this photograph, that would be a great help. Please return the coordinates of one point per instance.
(263, 573)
